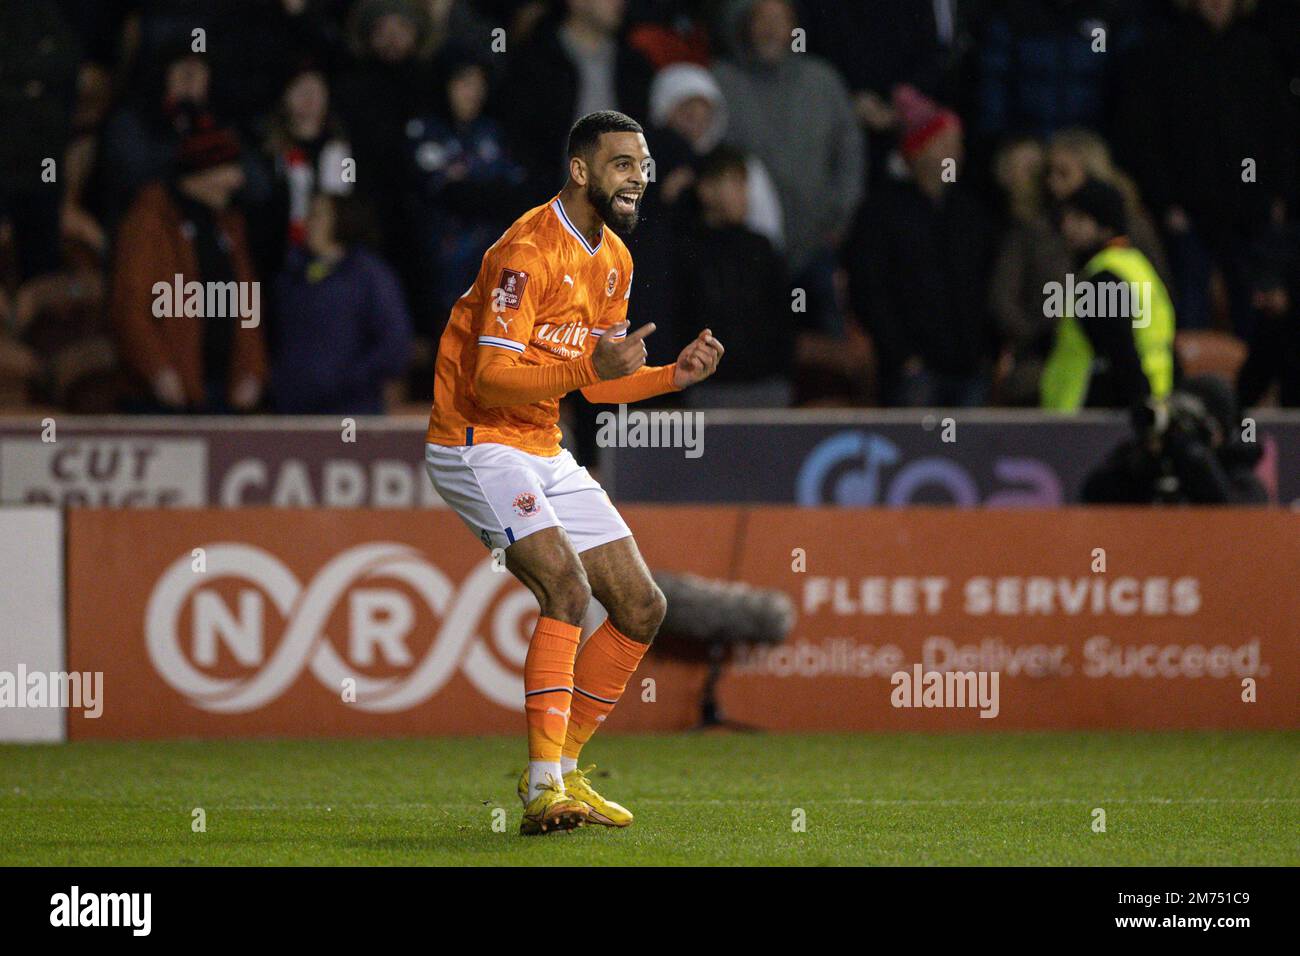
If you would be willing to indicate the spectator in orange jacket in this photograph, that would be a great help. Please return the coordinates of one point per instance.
(203, 350)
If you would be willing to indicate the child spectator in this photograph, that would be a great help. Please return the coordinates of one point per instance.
(343, 330)
(730, 280)
(792, 110)
(689, 117)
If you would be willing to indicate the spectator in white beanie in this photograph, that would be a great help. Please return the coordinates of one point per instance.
(686, 99)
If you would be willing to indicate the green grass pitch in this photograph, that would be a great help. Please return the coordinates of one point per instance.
(1004, 799)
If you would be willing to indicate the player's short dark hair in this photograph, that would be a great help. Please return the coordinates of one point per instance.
(587, 131)
(723, 159)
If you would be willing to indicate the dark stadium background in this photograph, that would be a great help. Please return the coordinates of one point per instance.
(880, 292)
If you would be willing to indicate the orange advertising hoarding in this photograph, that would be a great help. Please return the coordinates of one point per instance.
(384, 623)
(1121, 618)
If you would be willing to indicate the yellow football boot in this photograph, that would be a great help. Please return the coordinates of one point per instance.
(605, 812)
(551, 811)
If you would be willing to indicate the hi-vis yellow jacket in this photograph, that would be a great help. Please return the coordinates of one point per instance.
(1064, 384)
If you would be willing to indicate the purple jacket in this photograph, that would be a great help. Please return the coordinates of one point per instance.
(338, 339)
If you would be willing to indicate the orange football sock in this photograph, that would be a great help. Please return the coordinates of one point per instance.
(602, 670)
(548, 687)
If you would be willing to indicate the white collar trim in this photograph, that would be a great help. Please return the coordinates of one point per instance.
(573, 230)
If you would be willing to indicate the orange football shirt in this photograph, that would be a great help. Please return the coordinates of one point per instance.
(544, 294)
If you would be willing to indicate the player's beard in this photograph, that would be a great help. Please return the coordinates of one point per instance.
(603, 203)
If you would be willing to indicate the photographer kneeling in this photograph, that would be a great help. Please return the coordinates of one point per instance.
(1187, 449)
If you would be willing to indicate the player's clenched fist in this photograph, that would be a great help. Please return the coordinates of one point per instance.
(614, 358)
(698, 360)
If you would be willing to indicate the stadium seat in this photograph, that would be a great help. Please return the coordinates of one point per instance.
(1210, 353)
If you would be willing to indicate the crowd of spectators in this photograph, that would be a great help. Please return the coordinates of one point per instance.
(860, 197)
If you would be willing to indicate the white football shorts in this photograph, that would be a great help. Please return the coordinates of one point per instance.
(504, 494)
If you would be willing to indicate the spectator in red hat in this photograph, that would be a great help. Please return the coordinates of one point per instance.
(178, 232)
(921, 274)
(923, 122)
